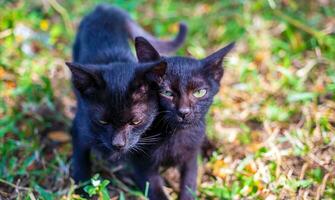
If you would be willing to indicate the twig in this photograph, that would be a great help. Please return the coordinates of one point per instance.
(300, 25)
(5, 33)
(71, 190)
(4, 193)
(316, 160)
(14, 186)
(321, 188)
(32, 197)
(303, 171)
(62, 11)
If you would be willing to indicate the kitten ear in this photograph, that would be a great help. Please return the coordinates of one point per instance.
(213, 63)
(85, 80)
(145, 51)
(153, 73)
(157, 72)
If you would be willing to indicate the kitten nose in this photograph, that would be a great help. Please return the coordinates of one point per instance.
(184, 112)
(119, 142)
(118, 145)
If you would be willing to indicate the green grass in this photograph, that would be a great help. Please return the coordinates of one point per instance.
(273, 121)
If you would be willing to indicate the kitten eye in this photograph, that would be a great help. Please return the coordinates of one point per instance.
(200, 93)
(136, 122)
(102, 122)
(166, 93)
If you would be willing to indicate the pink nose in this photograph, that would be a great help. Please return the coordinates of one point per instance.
(184, 112)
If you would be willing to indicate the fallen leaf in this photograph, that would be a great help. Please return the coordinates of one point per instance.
(59, 136)
(2, 73)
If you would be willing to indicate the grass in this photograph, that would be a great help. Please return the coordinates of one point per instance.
(272, 123)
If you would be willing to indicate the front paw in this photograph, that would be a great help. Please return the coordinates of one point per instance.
(187, 196)
(80, 175)
(158, 195)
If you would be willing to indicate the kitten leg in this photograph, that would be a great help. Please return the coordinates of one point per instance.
(81, 165)
(156, 191)
(188, 179)
(143, 175)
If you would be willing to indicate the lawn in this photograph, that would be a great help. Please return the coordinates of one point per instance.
(272, 125)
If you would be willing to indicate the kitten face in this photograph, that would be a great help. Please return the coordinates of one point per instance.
(119, 100)
(189, 85)
(186, 91)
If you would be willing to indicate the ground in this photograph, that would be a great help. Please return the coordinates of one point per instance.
(272, 124)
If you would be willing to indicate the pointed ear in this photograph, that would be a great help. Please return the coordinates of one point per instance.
(213, 63)
(153, 73)
(145, 51)
(157, 72)
(84, 79)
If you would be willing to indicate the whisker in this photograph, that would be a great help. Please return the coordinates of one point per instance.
(150, 140)
(164, 111)
(146, 143)
(150, 136)
(143, 151)
(154, 136)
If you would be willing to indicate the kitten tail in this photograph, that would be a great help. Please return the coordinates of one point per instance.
(162, 46)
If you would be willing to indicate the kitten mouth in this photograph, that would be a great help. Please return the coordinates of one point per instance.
(183, 123)
(180, 120)
(116, 154)
(184, 120)
(120, 151)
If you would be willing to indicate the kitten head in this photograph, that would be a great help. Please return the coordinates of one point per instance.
(118, 100)
(189, 85)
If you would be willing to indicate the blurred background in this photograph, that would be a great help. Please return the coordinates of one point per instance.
(272, 125)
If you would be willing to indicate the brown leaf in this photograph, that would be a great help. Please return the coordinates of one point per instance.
(59, 136)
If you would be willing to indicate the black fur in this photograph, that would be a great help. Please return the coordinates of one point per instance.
(176, 136)
(116, 101)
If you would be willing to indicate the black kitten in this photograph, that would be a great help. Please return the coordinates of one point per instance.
(115, 94)
(175, 138)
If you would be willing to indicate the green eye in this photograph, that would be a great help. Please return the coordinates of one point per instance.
(200, 93)
(103, 122)
(166, 93)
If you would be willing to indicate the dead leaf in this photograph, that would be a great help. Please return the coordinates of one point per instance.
(59, 136)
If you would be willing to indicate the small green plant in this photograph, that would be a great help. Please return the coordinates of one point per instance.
(98, 187)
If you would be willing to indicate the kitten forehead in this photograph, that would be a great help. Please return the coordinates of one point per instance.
(120, 81)
(184, 73)
(196, 82)
(119, 77)
(180, 65)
